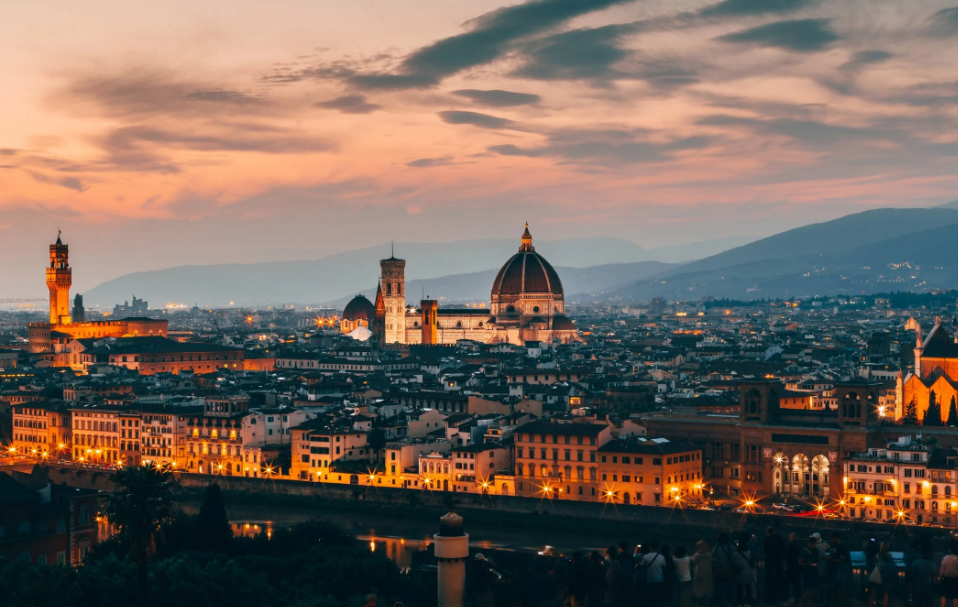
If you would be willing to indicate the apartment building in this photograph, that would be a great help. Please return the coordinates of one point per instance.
(402, 459)
(96, 434)
(477, 465)
(41, 429)
(650, 472)
(556, 459)
(319, 444)
(214, 441)
(909, 479)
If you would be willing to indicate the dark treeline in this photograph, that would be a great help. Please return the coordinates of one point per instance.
(196, 560)
(897, 299)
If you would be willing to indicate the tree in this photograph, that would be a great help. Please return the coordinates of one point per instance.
(376, 440)
(933, 412)
(213, 531)
(953, 413)
(140, 505)
(910, 418)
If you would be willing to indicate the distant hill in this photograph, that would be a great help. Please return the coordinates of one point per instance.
(332, 278)
(580, 284)
(879, 250)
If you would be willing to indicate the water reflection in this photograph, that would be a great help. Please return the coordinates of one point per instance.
(397, 549)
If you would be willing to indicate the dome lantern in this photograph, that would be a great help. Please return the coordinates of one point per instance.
(526, 245)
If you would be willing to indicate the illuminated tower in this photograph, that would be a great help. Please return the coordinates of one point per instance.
(59, 280)
(393, 285)
(430, 322)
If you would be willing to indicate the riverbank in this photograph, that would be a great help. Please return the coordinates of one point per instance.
(580, 525)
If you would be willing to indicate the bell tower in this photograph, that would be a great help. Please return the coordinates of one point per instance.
(59, 281)
(393, 285)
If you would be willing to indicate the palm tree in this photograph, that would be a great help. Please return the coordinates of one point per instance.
(140, 504)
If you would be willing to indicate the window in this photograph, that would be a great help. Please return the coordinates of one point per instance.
(61, 558)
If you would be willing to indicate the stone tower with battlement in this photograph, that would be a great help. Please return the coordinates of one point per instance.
(393, 285)
(59, 281)
(430, 322)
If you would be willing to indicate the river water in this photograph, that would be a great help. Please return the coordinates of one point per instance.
(399, 539)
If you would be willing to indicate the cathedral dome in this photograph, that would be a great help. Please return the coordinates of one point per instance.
(359, 308)
(526, 272)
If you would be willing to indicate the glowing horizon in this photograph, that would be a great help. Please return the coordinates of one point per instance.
(236, 131)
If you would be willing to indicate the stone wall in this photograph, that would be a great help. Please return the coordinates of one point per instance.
(406, 498)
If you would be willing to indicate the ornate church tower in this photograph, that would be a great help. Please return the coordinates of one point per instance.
(59, 281)
(393, 285)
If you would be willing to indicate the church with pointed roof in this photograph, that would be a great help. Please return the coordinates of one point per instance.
(936, 373)
(527, 303)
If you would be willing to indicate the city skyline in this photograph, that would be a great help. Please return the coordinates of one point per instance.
(197, 135)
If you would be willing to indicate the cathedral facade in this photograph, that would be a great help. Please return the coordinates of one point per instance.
(527, 303)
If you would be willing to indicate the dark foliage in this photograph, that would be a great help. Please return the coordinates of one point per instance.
(933, 412)
(213, 531)
(314, 563)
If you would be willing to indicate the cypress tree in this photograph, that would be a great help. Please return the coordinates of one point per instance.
(953, 413)
(910, 418)
(933, 412)
(213, 531)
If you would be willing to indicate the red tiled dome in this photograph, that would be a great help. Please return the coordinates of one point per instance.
(526, 272)
(359, 308)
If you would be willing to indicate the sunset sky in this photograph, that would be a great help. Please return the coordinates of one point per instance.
(206, 131)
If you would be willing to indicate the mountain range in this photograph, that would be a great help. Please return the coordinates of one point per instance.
(873, 251)
(456, 271)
